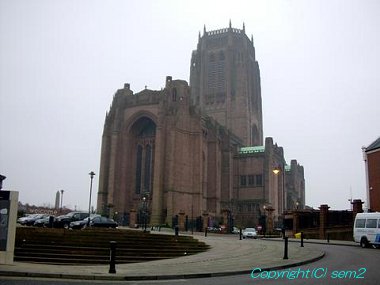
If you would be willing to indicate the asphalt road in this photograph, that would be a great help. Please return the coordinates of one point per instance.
(341, 265)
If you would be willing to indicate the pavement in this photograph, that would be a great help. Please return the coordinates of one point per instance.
(227, 256)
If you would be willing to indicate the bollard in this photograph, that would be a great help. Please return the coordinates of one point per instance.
(328, 238)
(240, 233)
(176, 230)
(51, 221)
(112, 257)
(286, 248)
(206, 232)
(301, 239)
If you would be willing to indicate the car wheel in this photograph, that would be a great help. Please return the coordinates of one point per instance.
(364, 242)
(66, 225)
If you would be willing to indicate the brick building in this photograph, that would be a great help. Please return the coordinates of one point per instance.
(372, 164)
(194, 154)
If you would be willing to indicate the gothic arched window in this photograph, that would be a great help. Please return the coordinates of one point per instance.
(138, 168)
(143, 134)
(148, 167)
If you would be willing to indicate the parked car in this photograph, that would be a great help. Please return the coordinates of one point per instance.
(82, 223)
(250, 233)
(29, 220)
(103, 222)
(65, 220)
(213, 230)
(235, 230)
(21, 220)
(43, 222)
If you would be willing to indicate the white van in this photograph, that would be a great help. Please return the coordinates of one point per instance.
(367, 229)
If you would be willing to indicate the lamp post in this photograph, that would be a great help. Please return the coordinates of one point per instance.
(144, 212)
(266, 219)
(92, 174)
(276, 171)
(62, 199)
(192, 217)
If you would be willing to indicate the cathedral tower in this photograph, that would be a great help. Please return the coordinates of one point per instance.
(225, 82)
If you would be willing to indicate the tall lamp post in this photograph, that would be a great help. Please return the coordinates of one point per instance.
(92, 174)
(62, 199)
(276, 171)
(144, 212)
(192, 216)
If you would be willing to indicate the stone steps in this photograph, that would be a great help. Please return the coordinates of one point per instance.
(60, 246)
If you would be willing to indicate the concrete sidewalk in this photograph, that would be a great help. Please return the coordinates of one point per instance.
(228, 255)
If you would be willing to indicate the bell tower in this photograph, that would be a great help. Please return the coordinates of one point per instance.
(225, 82)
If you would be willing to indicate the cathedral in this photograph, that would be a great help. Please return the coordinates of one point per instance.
(194, 155)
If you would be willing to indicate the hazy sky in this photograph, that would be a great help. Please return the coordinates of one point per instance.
(62, 61)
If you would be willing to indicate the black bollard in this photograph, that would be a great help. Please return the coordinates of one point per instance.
(286, 248)
(51, 221)
(112, 257)
(240, 233)
(206, 232)
(301, 239)
(176, 230)
(328, 238)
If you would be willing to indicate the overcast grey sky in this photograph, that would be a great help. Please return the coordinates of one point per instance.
(62, 61)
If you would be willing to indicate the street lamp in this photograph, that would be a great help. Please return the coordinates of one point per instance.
(192, 216)
(92, 174)
(144, 212)
(62, 199)
(266, 219)
(276, 171)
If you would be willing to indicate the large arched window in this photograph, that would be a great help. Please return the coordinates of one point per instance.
(143, 132)
(138, 168)
(148, 167)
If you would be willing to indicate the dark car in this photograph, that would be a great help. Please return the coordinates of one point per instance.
(82, 223)
(102, 222)
(65, 220)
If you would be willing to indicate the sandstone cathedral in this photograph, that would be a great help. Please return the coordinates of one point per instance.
(195, 154)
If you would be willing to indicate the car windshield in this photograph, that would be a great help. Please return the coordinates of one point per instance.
(250, 230)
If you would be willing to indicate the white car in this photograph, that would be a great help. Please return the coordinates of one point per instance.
(249, 233)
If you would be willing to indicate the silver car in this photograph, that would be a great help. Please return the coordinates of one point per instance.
(250, 233)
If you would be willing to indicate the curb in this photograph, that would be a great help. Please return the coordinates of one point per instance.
(152, 277)
(313, 242)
